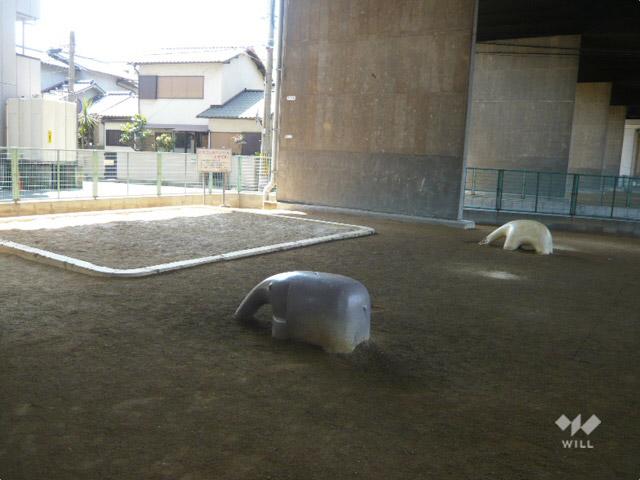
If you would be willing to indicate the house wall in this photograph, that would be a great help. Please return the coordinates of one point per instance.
(183, 111)
(28, 76)
(233, 126)
(589, 133)
(381, 92)
(108, 83)
(240, 74)
(523, 103)
(225, 141)
(102, 135)
(51, 76)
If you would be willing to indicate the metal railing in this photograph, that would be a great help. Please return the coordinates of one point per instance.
(569, 194)
(28, 174)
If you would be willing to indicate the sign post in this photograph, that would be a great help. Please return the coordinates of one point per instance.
(214, 161)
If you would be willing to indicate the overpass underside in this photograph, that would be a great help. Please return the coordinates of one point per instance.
(385, 103)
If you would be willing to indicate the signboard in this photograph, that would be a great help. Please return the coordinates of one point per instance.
(49, 136)
(214, 160)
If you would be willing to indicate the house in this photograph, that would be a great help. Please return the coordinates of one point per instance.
(111, 111)
(207, 97)
(93, 78)
(82, 90)
(109, 76)
(236, 123)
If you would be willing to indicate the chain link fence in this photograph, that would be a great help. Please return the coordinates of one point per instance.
(553, 193)
(38, 174)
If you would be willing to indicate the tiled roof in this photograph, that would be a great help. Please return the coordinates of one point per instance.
(248, 104)
(192, 55)
(115, 105)
(120, 70)
(80, 87)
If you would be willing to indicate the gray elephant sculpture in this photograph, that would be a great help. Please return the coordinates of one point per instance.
(332, 311)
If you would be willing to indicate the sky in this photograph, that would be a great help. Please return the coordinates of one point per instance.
(119, 30)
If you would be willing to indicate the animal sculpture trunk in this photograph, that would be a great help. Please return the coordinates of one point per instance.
(523, 233)
(332, 311)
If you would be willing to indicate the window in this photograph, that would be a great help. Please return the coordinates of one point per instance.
(202, 140)
(182, 141)
(148, 87)
(113, 138)
(180, 87)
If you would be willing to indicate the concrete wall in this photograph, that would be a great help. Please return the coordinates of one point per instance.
(589, 134)
(7, 60)
(239, 74)
(523, 102)
(381, 96)
(614, 140)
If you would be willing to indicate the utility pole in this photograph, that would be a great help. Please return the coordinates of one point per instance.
(275, 125)
(268, 84)
(275, 141)
(72, 66)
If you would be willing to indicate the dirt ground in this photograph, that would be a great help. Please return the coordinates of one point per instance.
(475, 353)
(131, 244)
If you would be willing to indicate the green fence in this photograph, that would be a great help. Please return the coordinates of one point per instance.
(30, 174)
(553, 193)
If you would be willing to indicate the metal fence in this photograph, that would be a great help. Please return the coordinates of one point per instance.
(553, 193)
(28, 174)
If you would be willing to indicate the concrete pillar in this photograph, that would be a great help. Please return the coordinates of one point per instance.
(523, 102)
(374, 104)
(589, 134)
(614, 140)
(628, 164)
(7, 60)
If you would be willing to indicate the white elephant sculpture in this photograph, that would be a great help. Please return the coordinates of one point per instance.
(526, 234)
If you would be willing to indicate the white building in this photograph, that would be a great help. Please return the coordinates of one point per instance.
(111, 111)
(10, 12)
(178, 88)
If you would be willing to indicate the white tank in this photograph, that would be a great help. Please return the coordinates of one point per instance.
(41, 123)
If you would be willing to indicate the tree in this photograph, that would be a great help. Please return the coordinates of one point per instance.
(134, 132)
(86, 124)
(165, 143)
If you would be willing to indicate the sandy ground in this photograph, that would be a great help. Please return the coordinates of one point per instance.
(476, 352)
(119, 241)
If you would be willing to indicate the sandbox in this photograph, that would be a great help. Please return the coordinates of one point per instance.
(136, 243)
